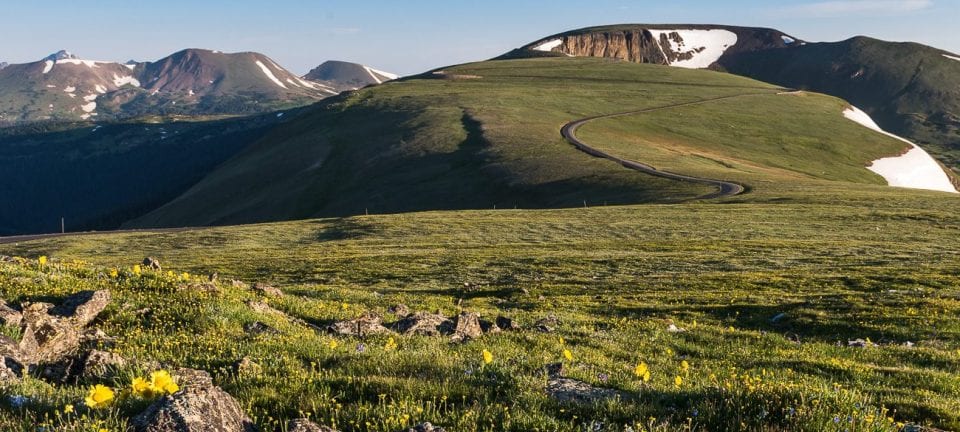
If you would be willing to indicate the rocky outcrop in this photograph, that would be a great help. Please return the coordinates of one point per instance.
(199, 406)
(368, 324)
(304, 425)
(51, 334)
(656, 44)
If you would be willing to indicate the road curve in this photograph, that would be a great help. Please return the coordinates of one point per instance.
(724, 188)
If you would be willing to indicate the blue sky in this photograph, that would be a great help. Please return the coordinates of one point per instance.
(410, 36)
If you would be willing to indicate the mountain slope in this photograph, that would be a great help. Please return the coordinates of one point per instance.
(189, 82)
(97, 177)
(347, 76)
(487, 135)
(908, 88)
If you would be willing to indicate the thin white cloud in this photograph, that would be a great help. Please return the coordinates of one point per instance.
(857, 7)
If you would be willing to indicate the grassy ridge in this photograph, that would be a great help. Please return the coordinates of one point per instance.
(487, 134)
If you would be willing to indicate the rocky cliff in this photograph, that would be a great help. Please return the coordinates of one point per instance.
(693, 46)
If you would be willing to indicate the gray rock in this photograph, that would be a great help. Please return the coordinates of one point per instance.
(860, 343)
(9, 316)
(304, 425)
(101, 363)
(258, 328)
(152, 263)
(571, 390)
(199, 406)
(467, 327)
(548, 324)
(507, 324)
(267, 290)
(672, 328)
(368, 324)
(52, 334)
(424, 323)
(426, 427)
(489, 326)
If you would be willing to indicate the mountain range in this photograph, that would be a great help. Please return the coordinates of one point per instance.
(480, 135)
(64, 87)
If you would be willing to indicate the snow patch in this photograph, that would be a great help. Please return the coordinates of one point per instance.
(70, 89)
(915, 169)
(952, 57)
(788, 40)
(292, 82)
(130, 66)
(90, 97)
(375, 74)
(51, 86)
(48, 66)
(269, 74)
(548, 46)
(190, 92)
(89, 107)
(279, 115)
(88, 63)
(706, 46)
(120, 81)
(101, 89)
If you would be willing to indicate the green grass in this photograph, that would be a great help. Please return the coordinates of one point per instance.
(615, 276)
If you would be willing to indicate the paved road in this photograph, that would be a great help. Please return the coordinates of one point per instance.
(724, 188)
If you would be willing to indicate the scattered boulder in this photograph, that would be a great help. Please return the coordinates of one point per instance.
(507, 324)
(368, 324)
(199, 406)
(489, 326)
(258, 328)
(401, 310)
(52, 334)
(571, 390)
(426, 427)
(238, 284)
(548, 324)
(672, 328)
(246, 366)
(214, 277)
(101, 363)
(304, 425)
(261, 307)
(425, 324)
(152, 263)
(9, 316)
(10, 370)
(860, 343)
(467, 327)
(267, 290)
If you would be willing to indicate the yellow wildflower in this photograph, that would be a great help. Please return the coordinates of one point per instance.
(114, 273)
(562, 341)
(42, 260)
(487, 357)
(677, 381)
(185, 276)
(568, 355)
(68, 409)
(390, 345)
(684, 366)
(333, 344)
(99, 397)
(140, 387)
(136, 269)
(642, 371)
(161, 382)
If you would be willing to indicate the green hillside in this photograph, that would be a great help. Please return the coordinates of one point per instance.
(486, 135)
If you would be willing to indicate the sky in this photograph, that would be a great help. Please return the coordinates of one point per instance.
(412, 36)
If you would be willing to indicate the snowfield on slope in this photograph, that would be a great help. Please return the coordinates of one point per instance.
(548, 46)
(269, 74)
(915, 169)
(952, 57)
(706, 46)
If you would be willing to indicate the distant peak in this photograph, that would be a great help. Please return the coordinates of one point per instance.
(61, 55)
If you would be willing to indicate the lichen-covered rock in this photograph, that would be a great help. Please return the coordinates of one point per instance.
(9, 316)
(267, 290)
(547, 324)
(401, 310)
(51, 334)
(258, 328)
(100, 363)
(152, 263)
(368, 324)
(571, 390)
(304, 425)
(467, 327)
(426, 427)
(199, 406)
(425, 324)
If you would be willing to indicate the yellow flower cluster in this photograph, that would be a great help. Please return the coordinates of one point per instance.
(99, 396)
(160, 383)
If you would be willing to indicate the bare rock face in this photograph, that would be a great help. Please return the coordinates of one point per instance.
(152, 263)
(468, 327)
(267, 290)
(199, 406)
(304, 425)
(368, 324)
(425, 324)
(571, 390)
(638, 46)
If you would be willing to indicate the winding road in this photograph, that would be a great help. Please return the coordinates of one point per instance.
(724, 188)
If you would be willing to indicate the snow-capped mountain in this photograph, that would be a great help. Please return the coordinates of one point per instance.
(64, 86)
(347, 76)
(688, 46)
